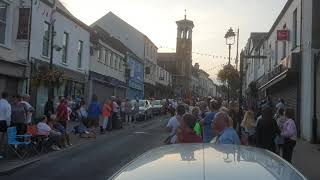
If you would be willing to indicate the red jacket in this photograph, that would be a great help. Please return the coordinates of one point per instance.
(62, 112)
(188, 136)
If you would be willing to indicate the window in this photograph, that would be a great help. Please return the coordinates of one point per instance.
(119, 65)
(111, 60)
(99, 55)
(284, 45)
(276, 53)
(46, 39)
(65, 47)
(3, 21)
(295, 29)
(23, 28)
(116, 61)
(80, 48)
(106, 57)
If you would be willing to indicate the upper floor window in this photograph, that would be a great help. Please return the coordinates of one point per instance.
(295, 29)
(99, 54)
(46, 39)
(284, 45)
(3, 21)
(65, 47)
(23, 28)
(111, 60)
(80, 49)
(106, 57)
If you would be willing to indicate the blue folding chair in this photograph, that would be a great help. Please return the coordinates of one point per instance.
(16, 141)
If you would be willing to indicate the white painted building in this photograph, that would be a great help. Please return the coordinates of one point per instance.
(287, 71)
(107, 66)
(14, 38)
(70, 56)
(151, 67)
(123, 31)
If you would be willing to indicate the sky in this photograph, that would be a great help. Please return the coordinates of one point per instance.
(212, 18)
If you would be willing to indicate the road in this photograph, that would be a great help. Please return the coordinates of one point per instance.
(99, 158)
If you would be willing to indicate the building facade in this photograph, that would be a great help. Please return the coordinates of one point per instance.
(179, 64)
(151, 67)
(69, 53)
(107, 66)
(14, 38)
(287, 72)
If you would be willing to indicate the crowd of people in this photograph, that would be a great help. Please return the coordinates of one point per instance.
(92, 118)
(215, 121)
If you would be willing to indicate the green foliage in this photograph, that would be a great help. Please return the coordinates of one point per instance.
(229, 75)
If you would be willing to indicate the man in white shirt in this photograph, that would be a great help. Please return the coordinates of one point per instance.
(25, 100)
(5, 116)
(174, 123)
(54, 136)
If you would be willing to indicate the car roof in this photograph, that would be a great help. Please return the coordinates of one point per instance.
(208, 161)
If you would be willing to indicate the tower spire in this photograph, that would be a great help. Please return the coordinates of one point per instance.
(185, 14)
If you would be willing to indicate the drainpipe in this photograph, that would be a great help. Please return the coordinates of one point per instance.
(28, 87)
(315, 119)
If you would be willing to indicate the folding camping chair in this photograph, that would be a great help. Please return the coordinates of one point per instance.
(14, 145)
(39, 141)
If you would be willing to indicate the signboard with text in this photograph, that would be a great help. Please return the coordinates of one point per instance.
(282, 35)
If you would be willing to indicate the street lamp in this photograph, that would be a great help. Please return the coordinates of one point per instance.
(230, 40)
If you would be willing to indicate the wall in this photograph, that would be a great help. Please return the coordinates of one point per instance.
(121, 30)
(150, 60)
(62, 24)
(103, 67)
(136, 78)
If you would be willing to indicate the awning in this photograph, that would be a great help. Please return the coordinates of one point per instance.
(14, 69)
(274, 80)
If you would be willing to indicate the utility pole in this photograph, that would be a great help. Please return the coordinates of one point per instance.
(237, 55)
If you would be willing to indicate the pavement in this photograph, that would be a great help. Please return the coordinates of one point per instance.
(95, 158)
(306, 158)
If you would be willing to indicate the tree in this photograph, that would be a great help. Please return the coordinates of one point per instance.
(229, 75)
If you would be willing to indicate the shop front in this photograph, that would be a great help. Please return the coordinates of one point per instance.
(283, 82)
(104, 87)
(13, 77)
(65, 83)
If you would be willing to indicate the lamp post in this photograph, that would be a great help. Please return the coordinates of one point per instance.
(230, 40)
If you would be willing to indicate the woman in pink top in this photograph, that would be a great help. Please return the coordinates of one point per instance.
(289, 132)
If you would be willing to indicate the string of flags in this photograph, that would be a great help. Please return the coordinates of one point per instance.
(203, 54)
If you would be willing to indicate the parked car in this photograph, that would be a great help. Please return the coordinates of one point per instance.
(145, 110)
(208, 161)
(157, 107)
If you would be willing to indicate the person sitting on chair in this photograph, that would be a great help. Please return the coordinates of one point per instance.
(54, 136)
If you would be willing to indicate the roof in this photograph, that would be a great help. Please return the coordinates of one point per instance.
(208, 161)
(166, 56)
(65, 12)
(110, 40)
(256, 37)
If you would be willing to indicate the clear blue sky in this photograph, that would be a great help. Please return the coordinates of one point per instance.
(212, 18)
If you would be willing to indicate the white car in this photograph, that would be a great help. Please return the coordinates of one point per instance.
(208, 161)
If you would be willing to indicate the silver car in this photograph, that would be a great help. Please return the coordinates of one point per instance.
(208, 161)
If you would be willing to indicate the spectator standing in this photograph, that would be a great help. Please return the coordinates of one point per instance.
(266, 130)
(280, 104)
(5, 116)
(174, 123)
(62, 117)
(197, 127)
(83, 119)
(26, 100)
(249, 127)
(136, 110)
(226, 134)
(279, 140)
(128, 112)
(19, 115)
(49, 108)
(186, 132)
(289, 132)
(207, 121)
(94, 112)
(106, 113)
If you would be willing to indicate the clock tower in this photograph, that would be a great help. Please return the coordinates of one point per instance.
(183, 58)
